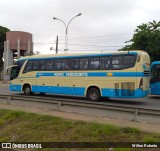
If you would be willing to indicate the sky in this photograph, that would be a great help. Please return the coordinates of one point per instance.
(104, 26)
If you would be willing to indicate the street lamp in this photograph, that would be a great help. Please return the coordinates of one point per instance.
(66, 30)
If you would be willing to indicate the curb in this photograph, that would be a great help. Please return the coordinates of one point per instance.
(4, 83)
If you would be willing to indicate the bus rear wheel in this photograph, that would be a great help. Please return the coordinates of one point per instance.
(27, 90)
(93, 94)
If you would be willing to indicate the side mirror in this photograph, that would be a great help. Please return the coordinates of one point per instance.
(8, 71)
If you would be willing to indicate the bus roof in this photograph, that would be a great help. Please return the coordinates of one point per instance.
(155, 63)
(79, 54)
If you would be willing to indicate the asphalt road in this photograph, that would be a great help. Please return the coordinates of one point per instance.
(152, 102)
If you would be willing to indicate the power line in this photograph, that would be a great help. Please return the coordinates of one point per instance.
(75, 44)
(90, 49)
(88, 37)
(93, 45)
(45, 43)
(102, 36)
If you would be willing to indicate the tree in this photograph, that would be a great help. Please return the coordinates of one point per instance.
(146, 37)
(3, 31)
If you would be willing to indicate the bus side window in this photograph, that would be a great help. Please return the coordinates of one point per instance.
(42, 65)
(65, 64)
(84, 63)
(28, 67)
(129, 61)
(49, 65)
(35, 65)
(94, 63)
(118, 63)
(58, 64)
(74, 64)
(105, 63)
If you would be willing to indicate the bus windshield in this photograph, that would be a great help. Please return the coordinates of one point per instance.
(155, 73)
(14, 72)
(155, 78)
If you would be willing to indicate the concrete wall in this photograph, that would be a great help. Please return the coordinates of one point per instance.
(16, 45)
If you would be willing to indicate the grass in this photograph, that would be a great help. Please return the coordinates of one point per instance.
(18, 126)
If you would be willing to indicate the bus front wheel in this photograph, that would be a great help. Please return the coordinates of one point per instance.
(93, 94)
(27, 90)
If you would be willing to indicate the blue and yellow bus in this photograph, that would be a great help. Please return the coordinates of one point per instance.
(109, 75)
(155, 78)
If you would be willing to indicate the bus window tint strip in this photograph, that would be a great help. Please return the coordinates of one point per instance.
(118, 62)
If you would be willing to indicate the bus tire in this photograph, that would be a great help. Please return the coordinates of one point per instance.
(42, 93)
(27, 90)
(93, 94)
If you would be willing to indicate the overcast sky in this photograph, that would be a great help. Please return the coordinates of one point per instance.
(103, 26)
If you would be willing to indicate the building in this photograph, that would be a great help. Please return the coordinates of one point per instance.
(17, 44)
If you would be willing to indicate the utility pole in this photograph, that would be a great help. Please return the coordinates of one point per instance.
(57, 45)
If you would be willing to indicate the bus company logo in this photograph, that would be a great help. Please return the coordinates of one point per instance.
(79, 74)
(6, 145)
(71, 74)
(59, 74)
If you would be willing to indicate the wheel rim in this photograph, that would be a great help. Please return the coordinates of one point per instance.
(27, 90)
(93, 95)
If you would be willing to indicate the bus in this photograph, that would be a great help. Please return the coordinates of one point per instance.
(122, 74)
(155, 78)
